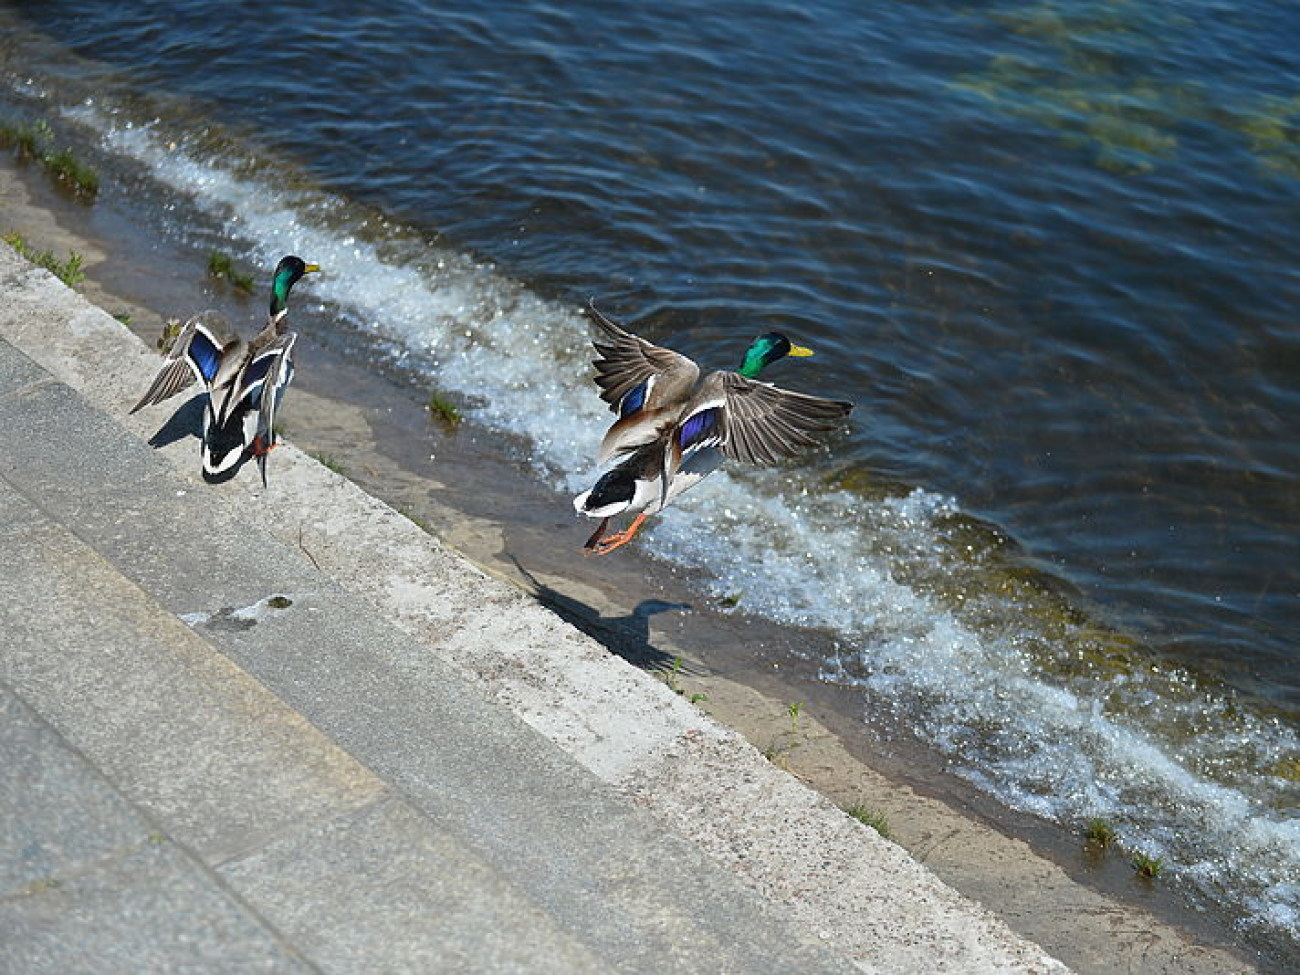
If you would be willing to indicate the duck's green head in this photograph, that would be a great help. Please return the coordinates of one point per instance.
(766, 350)
(287, 274)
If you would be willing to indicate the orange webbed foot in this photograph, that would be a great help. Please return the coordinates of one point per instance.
(603, 546)
(260, 448)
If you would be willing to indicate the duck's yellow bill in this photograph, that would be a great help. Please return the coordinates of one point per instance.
(311, 267)
(800, 350)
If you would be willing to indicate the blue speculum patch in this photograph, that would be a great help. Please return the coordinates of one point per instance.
(205, 355)
(634, 399)
(699, 428)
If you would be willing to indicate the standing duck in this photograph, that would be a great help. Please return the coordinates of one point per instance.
(244, 380)
(674, 428)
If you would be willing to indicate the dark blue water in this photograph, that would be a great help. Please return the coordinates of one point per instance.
(1050, 250)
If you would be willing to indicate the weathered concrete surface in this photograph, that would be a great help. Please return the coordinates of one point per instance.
(408, 737)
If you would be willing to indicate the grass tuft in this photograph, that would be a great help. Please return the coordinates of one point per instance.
(221, 265)
(63, 165)
(415, 520)
(869, 817)
(778, 753)
(68, 271)
(325, 460)
(1100, 833)
(444, 412)
(793, 710)
(35, 140)
(1146, 865)
(673, 678)
(27, 139)
(171, 331)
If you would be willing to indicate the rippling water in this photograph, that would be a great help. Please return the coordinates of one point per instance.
(1049, 249)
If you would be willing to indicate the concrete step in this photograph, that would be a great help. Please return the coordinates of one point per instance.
(261, 773)
(180, 803)
(88, 883)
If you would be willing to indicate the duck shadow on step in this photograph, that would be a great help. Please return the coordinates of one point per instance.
(626, 636)
(188, 422)
(185, 422)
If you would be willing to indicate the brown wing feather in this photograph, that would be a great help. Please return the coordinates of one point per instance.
(171, 379)
(765, 423)
(626, 360)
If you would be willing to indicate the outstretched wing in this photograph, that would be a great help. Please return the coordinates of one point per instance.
(196, 354)
(645, 384)
(763, 423)
(632, 372)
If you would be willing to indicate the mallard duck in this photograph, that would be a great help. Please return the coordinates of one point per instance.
(674, 428)
(244, 380)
